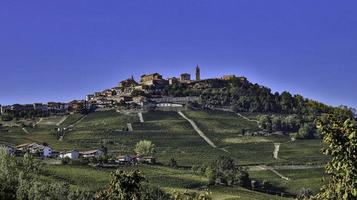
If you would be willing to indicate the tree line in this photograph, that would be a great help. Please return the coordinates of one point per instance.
(243, 96)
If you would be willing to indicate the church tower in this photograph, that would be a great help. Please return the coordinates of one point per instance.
(198, 73)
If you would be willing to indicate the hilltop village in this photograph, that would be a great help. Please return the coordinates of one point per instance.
(151, 92)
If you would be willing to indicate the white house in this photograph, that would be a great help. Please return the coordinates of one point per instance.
(92, 153)
(169, 105)
(46, 151)
(34, 148)
(73, 155)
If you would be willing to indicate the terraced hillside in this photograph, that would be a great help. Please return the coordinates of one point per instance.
(175, 137)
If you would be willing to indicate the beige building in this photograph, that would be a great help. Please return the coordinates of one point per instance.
(185, 77)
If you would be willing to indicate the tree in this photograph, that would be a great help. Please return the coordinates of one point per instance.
(8, 175)
(307, 131)
(286, 101)
(123, 186)
(226, 172)
(341, 144)
(266, 123)
(304, 193)
(145, 148)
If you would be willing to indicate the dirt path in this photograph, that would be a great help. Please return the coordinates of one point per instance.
(71, 126)
(62, 120)
(263, 167)
(130, 127)
(284, 167)
(198, 130)
(276, 150)
(39, 121)
(246, 118)
(25, 130)
(141, 118)
(77, 122)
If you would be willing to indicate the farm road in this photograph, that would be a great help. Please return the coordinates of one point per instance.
(141, 118)
(25, 130)
(274, 171)
(71, 126)
(77, 122)
(198, 130)
(39, 121)
(62, 120)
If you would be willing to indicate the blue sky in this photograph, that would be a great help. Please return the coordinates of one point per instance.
(63, 50)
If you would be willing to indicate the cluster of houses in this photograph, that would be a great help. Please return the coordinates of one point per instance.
(152, 84)
(51, 107)
(149, 84)
(44, 151)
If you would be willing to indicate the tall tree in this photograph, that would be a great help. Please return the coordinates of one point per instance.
(341, 139)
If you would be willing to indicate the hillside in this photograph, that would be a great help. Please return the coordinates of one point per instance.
(176, 138)
(191, 124)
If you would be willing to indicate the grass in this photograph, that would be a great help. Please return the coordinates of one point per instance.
(303, 151)
(175, 138)
(219, 125)
(93, 179)
(299, 178)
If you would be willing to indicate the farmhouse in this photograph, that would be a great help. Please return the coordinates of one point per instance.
(125, 159)
(92, 153)
(147, 159)
(73, 155)
(169, 105)
(37, 149)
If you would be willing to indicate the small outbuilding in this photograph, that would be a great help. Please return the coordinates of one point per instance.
(73, 155)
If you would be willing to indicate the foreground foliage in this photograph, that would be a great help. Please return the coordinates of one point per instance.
(341, 139)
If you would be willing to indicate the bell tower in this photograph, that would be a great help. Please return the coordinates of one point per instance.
(198, 73)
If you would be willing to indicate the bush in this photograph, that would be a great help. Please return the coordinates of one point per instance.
(66, 161)
(225, 172)
(307, 131)
(173, 163)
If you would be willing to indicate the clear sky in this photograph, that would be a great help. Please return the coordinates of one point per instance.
(63, 50)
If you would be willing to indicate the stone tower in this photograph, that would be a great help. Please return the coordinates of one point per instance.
(198, 73)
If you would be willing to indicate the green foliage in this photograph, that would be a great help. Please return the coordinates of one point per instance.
(123, 186)
(191, 196)
(173, 163)
(8, 175)
(304, 193)
(307, 131)
(243, 96)
(341, 139)
(288, 123)
(266, 123)
(226, 172)
(7, 117)
(145, 148)
(153, 193)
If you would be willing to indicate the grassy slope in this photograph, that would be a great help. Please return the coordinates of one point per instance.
(92, 179)
(299, 178)
(174, 137)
